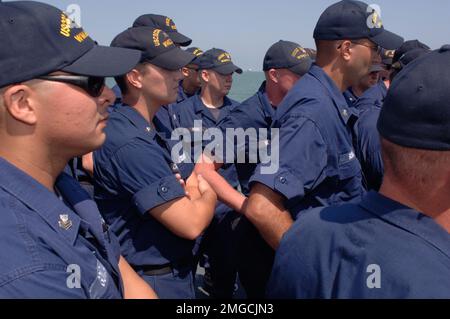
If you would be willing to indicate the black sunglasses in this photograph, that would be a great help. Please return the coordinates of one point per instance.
(92, 85)
(376, 48)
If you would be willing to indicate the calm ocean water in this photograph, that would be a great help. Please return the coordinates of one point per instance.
(244, 85)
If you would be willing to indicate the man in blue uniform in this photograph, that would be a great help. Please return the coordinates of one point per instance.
(134, 175)
(368, 149)
(166, 120)
(395, 243)
(191, 84)
(212, 107)
(53, 103)
(317, 162)
(284, 64)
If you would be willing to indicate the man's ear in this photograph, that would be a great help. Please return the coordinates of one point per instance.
(345, 50)
(19, 103)
(185, 72)
(273, 75)
(134, 77)
(204, 76)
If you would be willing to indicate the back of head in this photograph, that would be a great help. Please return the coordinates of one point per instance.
(287, 55)
(407, 53)
(415, 119)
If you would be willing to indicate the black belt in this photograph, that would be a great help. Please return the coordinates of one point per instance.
(157, 270)
(160, 270)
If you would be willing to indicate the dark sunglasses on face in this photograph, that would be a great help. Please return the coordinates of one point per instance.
(376, 48)
(92, 85)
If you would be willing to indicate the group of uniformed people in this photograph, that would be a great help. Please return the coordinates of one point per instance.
(96, 202)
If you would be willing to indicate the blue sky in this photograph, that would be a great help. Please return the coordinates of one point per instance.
(247, 28)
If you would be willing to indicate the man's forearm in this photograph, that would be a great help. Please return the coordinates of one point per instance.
(266, 211)
(225, 192)
(134, 286)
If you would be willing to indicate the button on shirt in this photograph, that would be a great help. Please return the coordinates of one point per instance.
(376, 249)
(350, 97)
(134, 173)
(53, 247)
(317, 163)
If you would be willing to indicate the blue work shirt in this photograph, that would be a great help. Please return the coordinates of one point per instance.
(254, 113)
(47, 240)
(374, 96)
(376, 249)
(192, 110)
(368, 148)
(134, 173)
(317, 164)
(255, 256)
(165, 120)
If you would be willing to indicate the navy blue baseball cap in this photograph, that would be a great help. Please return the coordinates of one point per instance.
(287, 55)
(408, 46)
(408, 57)
(197, 52)
(38, 39)
(156, 47)
(352, 20)
(416, 112)
(218, 60)
(164, 23)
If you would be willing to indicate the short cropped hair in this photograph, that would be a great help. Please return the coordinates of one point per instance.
(122, 81)
(413, 167)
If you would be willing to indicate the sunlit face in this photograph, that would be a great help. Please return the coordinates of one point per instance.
(218, 83)
(160, 85)
(363, 52)
(191, 76)
(68, 119)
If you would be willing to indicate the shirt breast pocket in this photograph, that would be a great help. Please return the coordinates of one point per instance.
(101, 286)
(348, 166)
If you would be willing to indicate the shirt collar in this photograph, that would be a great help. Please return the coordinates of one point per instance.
(200, 107)
(136, 119)
(335, 94)
(268, 109)
(39, 199)
(408, 219)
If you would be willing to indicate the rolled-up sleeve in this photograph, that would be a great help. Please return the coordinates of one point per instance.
(144, 171)
(302, 159)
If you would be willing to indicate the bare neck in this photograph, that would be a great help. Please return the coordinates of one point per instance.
(274, 94)
(332, 69)
(211, 99)
(432, 203)
(189, 88)
(142, 105)
(35, 159)
(358, 91)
